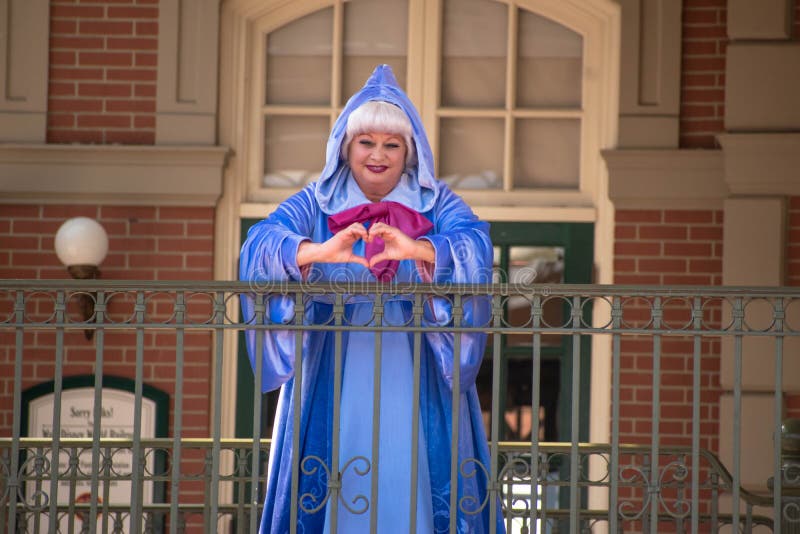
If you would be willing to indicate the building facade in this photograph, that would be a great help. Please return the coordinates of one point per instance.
(671, 128)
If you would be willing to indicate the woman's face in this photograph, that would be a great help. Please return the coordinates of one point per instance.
(377, 161)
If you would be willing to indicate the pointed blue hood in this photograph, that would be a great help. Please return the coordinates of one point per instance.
(337, 191)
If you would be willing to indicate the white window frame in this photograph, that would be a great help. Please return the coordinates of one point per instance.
(586, 17)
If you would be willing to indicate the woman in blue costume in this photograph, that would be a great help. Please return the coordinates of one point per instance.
(376, 212)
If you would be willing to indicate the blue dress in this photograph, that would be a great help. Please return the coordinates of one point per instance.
(463, 255)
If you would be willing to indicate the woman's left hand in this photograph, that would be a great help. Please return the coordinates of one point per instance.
(398, 245)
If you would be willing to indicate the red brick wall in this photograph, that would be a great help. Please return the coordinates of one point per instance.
(668, 247)
(704, 40)
(145, 243)
(102, 71)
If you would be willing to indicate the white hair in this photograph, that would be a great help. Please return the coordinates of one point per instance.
(383, 117)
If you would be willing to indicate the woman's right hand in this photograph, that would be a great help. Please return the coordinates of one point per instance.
(337, 249)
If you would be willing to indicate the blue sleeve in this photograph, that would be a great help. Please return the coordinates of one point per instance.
(268, 255)
(463, 255)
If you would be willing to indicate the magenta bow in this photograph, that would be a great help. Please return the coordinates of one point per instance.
(410, 222)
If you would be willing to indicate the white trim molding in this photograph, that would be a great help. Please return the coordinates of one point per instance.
(24, 39)
(650, 82)
(761, 163)
(152, 175)
(677, 179)
(186, 102)
(748, 164)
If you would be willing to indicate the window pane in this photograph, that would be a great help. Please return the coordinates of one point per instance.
(299, 61)
(539, 265)
(474, 46)
(375, 32)
(471, 153)
(294, 150)
(549, 63)
(547, 153)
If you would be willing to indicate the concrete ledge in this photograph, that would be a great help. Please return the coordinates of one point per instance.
(674, 179)
(153, 175)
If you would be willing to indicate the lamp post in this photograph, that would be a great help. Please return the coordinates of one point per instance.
(81, 244)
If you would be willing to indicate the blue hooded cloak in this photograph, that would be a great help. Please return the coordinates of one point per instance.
(463, 254)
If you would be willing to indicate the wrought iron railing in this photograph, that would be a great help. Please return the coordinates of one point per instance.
(144, 329)
(36, 471)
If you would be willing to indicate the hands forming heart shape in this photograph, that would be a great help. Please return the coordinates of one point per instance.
(339, 248)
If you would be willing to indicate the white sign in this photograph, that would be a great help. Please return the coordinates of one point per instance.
(77, 421)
